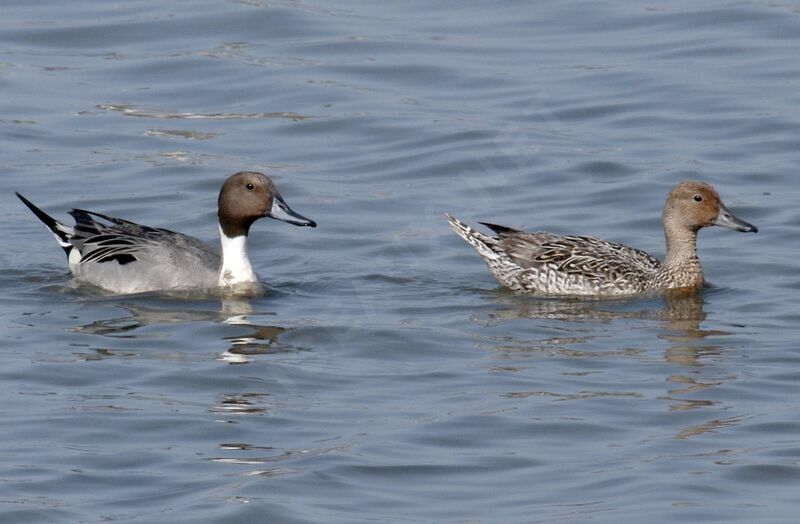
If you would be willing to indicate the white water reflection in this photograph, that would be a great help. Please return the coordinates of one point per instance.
(129, 110)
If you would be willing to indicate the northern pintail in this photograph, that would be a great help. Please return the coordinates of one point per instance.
(124, 257)
(545, 263)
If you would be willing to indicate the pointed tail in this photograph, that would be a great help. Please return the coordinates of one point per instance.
(482, 243)
(59, 230)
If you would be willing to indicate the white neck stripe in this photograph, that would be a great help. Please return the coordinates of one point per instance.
(235, 267)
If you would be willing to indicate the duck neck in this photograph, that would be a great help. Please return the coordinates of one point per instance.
(681, 262)
(235, 267)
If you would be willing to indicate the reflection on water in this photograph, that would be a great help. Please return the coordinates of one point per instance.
(260, 341)
(685, 310)
(141, 316)
(128, 110)
(180, 133)
(255, 455)
(577, 396)
(243, 404)
(710, 426)
(678, 317)
(256, 339)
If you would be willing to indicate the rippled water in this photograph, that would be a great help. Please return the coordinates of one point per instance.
(384, 377)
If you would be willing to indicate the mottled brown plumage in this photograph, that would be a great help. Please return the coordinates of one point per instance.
(545, 263)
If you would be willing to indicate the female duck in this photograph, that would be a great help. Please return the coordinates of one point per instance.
(545, 263)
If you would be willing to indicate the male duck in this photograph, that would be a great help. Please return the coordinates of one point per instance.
(124, 257)
(545, 263)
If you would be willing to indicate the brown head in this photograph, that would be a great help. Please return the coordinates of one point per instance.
(694, 205)
(247, 196)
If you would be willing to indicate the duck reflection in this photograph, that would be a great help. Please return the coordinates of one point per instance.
(261, 340)
(254, 339)
(243, 404)
(141, 316)
(679, 314)
(683, 311)
(677, 320)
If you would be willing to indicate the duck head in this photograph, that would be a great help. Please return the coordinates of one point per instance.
(247, 196)
(694, 205)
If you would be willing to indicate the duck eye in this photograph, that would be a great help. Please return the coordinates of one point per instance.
(250, 186)
(698, 198)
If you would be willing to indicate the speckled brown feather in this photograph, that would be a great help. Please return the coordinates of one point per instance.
(545, 263)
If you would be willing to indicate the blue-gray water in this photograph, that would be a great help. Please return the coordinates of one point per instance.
(385, 377)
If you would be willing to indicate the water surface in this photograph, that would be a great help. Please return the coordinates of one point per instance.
(384, 377)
